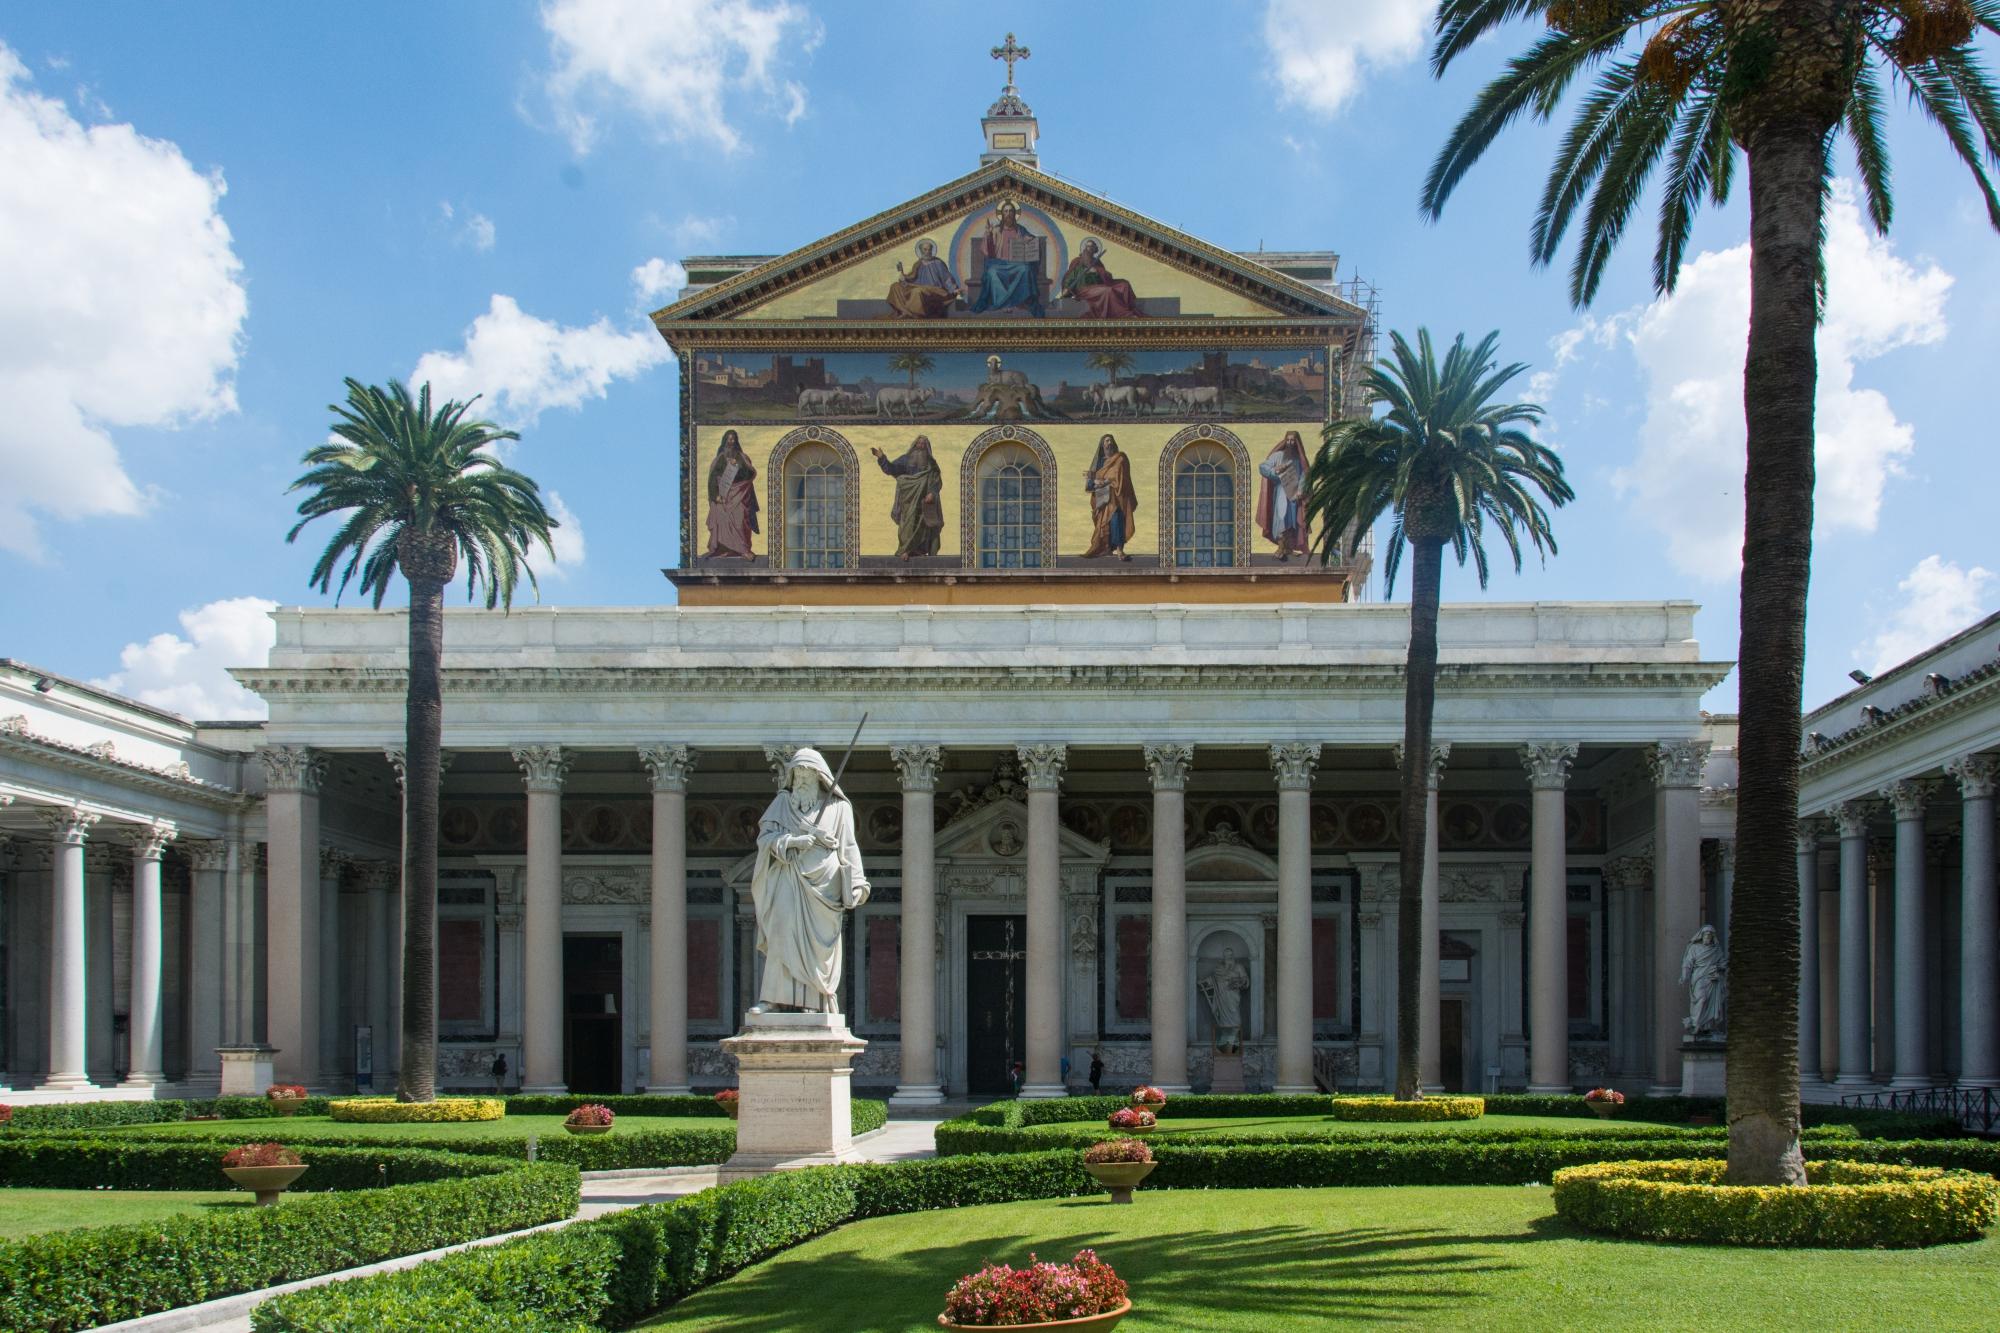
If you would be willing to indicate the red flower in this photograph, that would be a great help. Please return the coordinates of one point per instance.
(262, 1154)
(1150, 1095)
(1118, 1150)
(6, 1114)
(285, 1092)
(1132, 1117)
(1000, 1296)
(591, 1114)
(726, 1095)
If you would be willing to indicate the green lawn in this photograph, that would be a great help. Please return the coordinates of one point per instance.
(1488, 1258)
(323, 1128)
(29, 1212)
(1194, 1127)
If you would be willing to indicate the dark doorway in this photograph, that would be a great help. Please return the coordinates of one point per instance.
(593, 1027)
(995, 1002)
(1451, 1044)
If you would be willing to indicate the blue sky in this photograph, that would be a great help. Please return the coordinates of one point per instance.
(211, 213)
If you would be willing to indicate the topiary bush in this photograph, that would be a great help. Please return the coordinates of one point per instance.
(692, 1143)
(1846, 1205)
(389, 1111)
(869, 1115)
(1388, 1110)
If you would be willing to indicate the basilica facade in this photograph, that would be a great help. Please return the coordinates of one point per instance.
(994, 498)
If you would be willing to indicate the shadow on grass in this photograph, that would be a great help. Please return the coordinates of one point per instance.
(1193, 1279)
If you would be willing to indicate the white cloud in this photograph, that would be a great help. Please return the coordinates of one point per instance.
(476, 231)
(695, 230)
(677, 63)
(190, 676)
(1938, 599)
(1687, 480)
(1322, 52)
(525, 365)
(121, 304)
(657, 280)
(567, 538)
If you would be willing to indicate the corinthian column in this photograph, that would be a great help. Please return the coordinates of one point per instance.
(1043, 765)
(1430, 1075)
(1852, 820)
(543, 769)
(148, 1027)
(69, 985)
(917, 766)
(1294, 762)
(1168, 767)
(1548, 917)
(1912, 1062)
(1808, 853)
(1676, 769)
(667, 978)
(207, 960)
(1979, 924)
(292, 774)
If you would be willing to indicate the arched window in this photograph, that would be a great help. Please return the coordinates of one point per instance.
(1204, 507)
(815, 508)
(1010, 507)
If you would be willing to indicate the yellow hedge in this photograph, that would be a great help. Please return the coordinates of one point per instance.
(1389, 1109)
(443, 1111)
(1844, 1205)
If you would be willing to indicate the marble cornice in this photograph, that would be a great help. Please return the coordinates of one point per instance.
(712, 678)
(124, 772)
(1913, 718)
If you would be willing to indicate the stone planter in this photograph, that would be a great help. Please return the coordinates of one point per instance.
(730, 1108)
(1603, 1110)
(588, 1129)
(1154, 1107)
(287, 1106)
(1121, 1178)
(1096, 1323)
(267, 1182)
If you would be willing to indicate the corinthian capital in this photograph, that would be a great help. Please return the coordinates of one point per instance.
(149, 841)
(1168, 765)
(916, 765)
(1548, 763)
(543, 767)
(70, 824)
(1433, 771)
(1851, 818)
(1677, 763)
(1906, 798)
(1294, 762)
(399, 759)
(292, 768)
(1974, 774)
(209, 854)
(1043, 765)
(670, 765)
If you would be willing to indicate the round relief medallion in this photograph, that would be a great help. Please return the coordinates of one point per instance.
(603, 826)
(742, 826)
(1130, 827)
(1463, 823)
(1325, 825)
(704, 825)
(1005, 839)
(885, 825)
(459, 825)
(1264, 826)
(503, 825)
(1086, 821)
(1512, 823)
(1367, 824)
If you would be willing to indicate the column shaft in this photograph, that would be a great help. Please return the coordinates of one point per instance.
(147, 1067)
(1676, 897)
(385, 961)
(100, 904)
(69, 986)
(1854, 945)
(1430, 1063)
(1912, 1062)
(1295, 763)
(1808, 869)
(292, 980)
(1548, 918)
(1044, 766)
(336, 1037)
(208, 970)
(541, 922)
(1168, 765)
(667, 977)
(917, 765)
(1979, 927)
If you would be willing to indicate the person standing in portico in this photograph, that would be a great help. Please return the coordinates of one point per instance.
(808, 876)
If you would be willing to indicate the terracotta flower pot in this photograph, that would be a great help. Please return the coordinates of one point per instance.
(588, 1129)
(267, 1182)
(1604, 1110)
(1096, 1323)
(287, 1106)
(1119, 1177)
(730, 1108)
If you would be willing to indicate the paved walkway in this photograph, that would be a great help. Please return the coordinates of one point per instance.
(603, 1192)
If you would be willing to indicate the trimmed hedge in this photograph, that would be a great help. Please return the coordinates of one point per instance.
(869, 1114)
(83, 1278)
(389, 1111)
(1387, 1110)
(1845, 1205)
(106, 1115)
(623, 1104)
(129, 1163)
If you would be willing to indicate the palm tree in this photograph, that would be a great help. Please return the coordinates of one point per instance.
(1446, 460)
(420, 491)
(1777, 80)
(1111, 362)
(914, 363)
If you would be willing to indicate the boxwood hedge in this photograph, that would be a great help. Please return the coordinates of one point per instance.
(80, 1279)
(389, 1111)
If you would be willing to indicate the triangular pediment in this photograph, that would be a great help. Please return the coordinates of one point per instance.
(998, 831)
(1154, 271)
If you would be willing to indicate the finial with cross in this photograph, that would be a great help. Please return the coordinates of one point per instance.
(1010, 53)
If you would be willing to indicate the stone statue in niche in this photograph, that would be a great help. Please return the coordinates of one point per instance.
(808, 877)
(1705, 972)
(1223, 989)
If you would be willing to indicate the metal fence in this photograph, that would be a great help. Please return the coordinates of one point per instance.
(1977, 1109)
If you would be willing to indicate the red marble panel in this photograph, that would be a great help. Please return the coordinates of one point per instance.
(885, 969)
(1135, 979)
(1328, 973)
(704, 969)
(461, 982)
(1579, 968)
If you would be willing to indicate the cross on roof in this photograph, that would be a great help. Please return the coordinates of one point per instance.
(1010, 53)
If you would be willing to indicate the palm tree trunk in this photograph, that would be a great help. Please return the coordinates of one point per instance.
(1419, 701)
(1779, 376)
(424, 726)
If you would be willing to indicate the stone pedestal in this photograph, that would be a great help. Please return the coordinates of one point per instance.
(795, 1074)
(246, 1070)
(1227, 1075)
(1702, 1066)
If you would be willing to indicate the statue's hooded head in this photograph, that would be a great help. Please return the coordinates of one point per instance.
(1706, 935)
(811, 761)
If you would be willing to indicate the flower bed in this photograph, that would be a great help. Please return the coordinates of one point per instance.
(1000, 1295)
(80, 1279)
(1847, 1205)
(1117, 1150)
(261, 1154)
(1389, 1111)
(389, 1111)
(1130, 1119)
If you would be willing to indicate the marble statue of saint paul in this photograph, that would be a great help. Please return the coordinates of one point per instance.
(808, 877)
